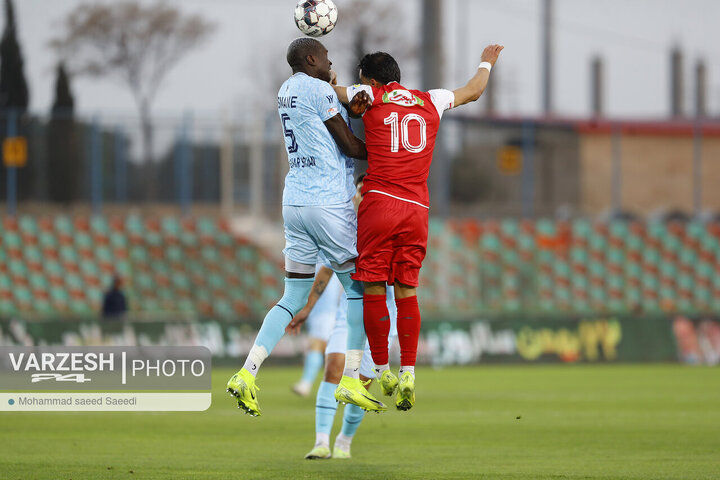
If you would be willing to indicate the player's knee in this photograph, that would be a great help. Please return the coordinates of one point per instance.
(404, 291)
(353, 288)
(296, 294)
(375, 288)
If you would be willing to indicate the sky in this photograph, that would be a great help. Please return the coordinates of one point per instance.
(237, 71)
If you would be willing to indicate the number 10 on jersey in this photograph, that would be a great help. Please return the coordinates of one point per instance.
(400, 132)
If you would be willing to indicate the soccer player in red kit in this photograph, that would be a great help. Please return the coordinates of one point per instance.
(400, 130)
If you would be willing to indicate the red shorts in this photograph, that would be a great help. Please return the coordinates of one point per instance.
(392, 239)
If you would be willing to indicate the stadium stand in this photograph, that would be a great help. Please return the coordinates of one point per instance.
(575, 267)
(62, 265)
(197, 266)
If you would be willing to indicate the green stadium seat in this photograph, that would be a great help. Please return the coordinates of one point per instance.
(139, 254)
(99, 225)
(64, 225)
(27, 225)
(226, 241)
(80, 307)
(223, 308)
(38, 281)
(32, 253)
(12, 240)
(581, 228)
(17, 268)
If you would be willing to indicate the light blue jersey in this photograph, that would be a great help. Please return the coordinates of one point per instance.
(320, 174)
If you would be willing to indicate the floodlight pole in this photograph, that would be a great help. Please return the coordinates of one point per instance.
(227, 179)
(432, 77)
(120, 166)
(96, 167)
(547, 56)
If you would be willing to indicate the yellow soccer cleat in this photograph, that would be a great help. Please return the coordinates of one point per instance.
(388, 383)
(242, 387)
(351, 390)
(318, 453)
(340, 453)
(406, 392)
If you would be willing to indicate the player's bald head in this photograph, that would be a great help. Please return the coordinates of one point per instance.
(300, 48)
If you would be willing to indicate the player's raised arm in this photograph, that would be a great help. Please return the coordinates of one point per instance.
(349, 144)
(341, 93)
(476, 85)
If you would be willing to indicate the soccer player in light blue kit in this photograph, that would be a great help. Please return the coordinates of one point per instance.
(325, 404)
(318, 217)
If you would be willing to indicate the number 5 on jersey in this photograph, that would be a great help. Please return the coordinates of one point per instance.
(293, 148)
(400, 132)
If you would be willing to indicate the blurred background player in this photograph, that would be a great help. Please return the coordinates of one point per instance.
(325, 405)
(400, 130)
(318, 215)
(319, 314)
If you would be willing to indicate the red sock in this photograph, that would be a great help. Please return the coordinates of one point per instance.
(377, 326)
(408, 326)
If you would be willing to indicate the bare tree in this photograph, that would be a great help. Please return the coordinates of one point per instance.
(136, 44)
(370, 25)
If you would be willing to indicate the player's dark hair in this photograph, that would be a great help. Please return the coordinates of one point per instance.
(381, 67)
(301, 48)
(360, 178)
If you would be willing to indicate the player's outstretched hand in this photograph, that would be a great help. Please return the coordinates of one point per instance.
(298, 320)
(491, 53)
(333, 77)
(360, 102)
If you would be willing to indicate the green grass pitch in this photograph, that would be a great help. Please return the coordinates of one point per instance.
(500, 422)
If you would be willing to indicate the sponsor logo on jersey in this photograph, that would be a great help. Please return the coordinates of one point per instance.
(402, 98)
(332, 111)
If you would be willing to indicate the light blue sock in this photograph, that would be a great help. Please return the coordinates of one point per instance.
(325, 408)
(293, 300)
(313, 364)
(356, 329)
(351, 419)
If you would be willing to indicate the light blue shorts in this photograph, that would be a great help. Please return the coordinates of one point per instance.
(321, 320)
(330, 231)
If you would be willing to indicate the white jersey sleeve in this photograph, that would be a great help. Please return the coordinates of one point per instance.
(357, 88)
(442, 99)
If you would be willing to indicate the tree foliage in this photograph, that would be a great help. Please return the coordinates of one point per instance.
(136, 44)
(64, 102)
(65, 165)
(13, 85)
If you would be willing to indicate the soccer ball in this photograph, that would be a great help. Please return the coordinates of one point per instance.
(315, 17)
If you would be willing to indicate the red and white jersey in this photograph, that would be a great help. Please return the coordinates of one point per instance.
(400, 130)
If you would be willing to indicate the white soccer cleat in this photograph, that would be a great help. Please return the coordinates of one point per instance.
(301, 389)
